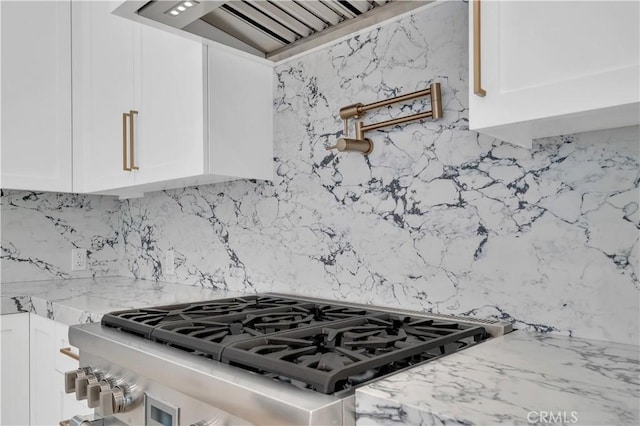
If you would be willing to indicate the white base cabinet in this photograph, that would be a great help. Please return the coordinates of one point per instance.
(49, 403)
(14, 371)
(42, 377)
(554, 67)
(33, 372)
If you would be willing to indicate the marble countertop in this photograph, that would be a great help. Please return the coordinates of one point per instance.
(520, 378)
(83, 300)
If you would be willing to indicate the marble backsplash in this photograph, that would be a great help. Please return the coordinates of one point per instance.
(39, 230)
(437, 218)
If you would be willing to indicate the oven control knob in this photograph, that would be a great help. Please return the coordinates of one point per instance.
(70, 378)
(82, 384)
(94, 390)
(113, 401)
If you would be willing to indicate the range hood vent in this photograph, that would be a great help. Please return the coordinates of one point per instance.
(274, 29)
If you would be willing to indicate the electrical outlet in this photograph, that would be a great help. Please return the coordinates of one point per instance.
(78, 260)
(169, 265)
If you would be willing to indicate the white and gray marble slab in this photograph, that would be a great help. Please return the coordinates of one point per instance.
(39, 230)
(84, 300)
(513, 380)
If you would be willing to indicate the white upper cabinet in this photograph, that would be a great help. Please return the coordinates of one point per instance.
(36, 146)
(185, 107)
(155, 78)
(104, 87)
(553, 67)
(240, 116)
(171, 112)
(145, 109)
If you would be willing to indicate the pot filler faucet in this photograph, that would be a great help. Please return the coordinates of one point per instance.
(365, 145)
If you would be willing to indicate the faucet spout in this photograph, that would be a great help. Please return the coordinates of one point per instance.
(364, 146)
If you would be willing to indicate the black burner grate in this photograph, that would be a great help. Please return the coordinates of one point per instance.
(210, 335)
(143, 321)
(334, 357)
(319, 346)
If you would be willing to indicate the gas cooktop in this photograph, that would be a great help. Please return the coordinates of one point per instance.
(312, 344)
(268, 359)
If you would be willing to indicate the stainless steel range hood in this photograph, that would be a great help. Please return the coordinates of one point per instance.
(274, 29)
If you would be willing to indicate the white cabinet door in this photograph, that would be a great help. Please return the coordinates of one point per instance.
(49, 403)
(556, 67)
(14, 369)
(36, 95)
(105, 48)
(44, 407)
(240, 114)
(171, 140)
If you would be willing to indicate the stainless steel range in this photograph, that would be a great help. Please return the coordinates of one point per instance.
(263, 359)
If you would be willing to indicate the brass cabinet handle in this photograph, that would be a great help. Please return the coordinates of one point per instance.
(477, 60)
(125, 167)
(68, 352)
(131, 166)
(131, 139)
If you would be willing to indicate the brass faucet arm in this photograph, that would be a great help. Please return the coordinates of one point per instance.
(361, 129)
(360, 143)
(401, 98)
(436, 111)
